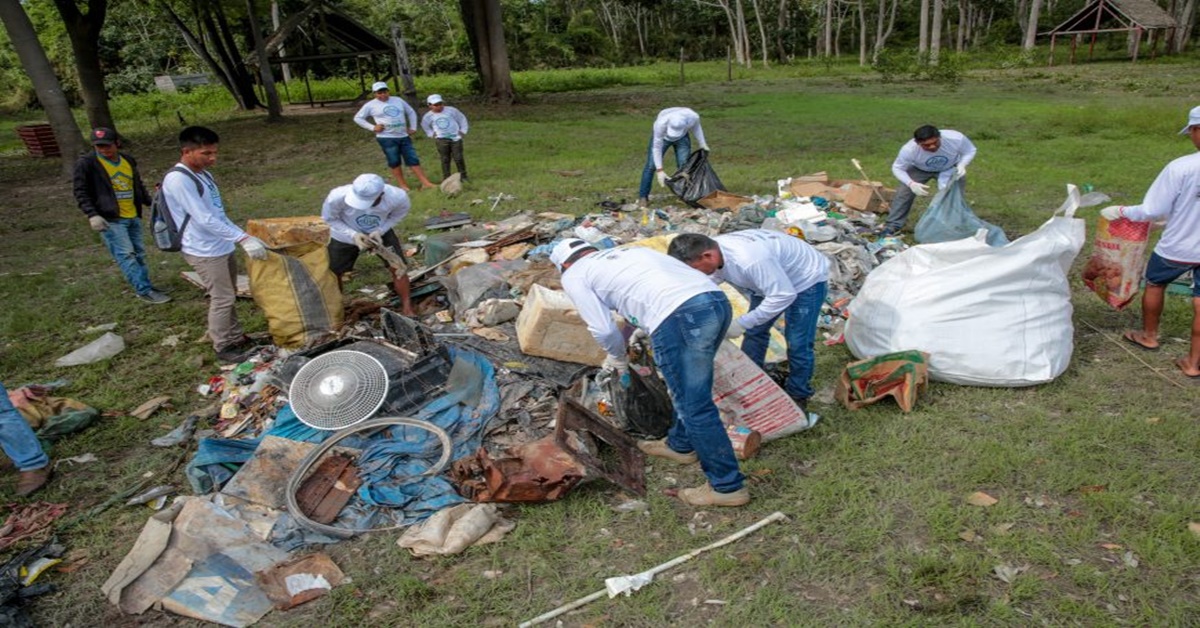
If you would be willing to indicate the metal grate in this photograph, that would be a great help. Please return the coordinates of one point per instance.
(338, 389)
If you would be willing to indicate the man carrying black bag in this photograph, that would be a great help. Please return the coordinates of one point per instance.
(671, 129)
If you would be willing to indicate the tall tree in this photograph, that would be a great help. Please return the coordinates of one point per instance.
(212, 41)
(274, 107)
(41, 74)
(485, 31)
(83, 29)
(1035, 7)
(935, 33)
(923, 30)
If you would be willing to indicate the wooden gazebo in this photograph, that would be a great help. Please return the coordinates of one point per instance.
(1115, 16)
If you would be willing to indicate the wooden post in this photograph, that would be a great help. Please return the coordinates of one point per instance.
(410, 88)
(681, 80)
(728, 64)
(1137, 42)
(1052, 38)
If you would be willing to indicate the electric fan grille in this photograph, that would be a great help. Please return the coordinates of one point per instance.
(338, 389)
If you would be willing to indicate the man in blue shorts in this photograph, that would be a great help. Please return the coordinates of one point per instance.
(393, 122)
(1174, 197)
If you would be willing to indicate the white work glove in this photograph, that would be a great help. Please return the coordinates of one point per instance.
(961, 169)
(735, 330)
(662, 178)
(920, 189)
(362, 241)
(1112, 212)
(376, 237)
(98, 223)
(613, 363)
(254, 247)
(638, 335)
(704, 147)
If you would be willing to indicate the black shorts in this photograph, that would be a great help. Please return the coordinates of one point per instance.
(342, 256)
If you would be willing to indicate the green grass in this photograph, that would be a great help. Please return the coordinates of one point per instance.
(875, 499)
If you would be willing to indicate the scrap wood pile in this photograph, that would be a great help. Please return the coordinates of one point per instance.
(368, 420)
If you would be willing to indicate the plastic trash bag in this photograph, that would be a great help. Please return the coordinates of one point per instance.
(695, 179)
(949, 217)
(644, 407)
(102, 348)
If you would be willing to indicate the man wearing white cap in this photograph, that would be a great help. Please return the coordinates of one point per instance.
(685, 315)
(1174, 197)
(393, 122)
(361, 216)
(671, 129)
(447, 126)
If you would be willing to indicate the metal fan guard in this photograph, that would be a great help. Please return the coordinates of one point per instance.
(338, 389)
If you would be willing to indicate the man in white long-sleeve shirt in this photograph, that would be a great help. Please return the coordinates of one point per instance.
(209, 236)
(930, 153)
(393, 122)
(783, 275)
(685, 315)
(1174, 197)
(447, 126)
(670, 130)
(361, 216)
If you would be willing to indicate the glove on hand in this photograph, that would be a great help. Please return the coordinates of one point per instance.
(254, 247)
(920, 189)
(376, 237)
(98, 223)
(612, 363)
(362, 241)
(638, 335)
(1112, 212)
(735, 330)
(704, 147)
(662, 178)
(961, 169)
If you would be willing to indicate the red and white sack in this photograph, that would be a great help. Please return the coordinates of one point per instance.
(745, 395)
(1114, 271)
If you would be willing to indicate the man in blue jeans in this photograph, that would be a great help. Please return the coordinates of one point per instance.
(670, 130)
(109, 190)
(783, 275)
(21, 446)
(685, 315)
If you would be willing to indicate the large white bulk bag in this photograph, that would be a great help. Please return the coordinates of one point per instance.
(988, 316)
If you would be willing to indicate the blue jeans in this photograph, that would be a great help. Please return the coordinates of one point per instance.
(800, 330)
(685, 345)
(17, 438)
(124, 241)
(683, 150)
(398, 150)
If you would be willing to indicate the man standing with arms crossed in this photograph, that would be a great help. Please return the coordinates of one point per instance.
(393, 122)
(685, 315)
(1174, 197)
(209, 237)
(784, 275)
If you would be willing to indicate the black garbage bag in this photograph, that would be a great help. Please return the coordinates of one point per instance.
(644, 406)
(695, 179)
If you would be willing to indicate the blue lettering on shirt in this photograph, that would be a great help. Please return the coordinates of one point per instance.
(367, 222)
(936, 163)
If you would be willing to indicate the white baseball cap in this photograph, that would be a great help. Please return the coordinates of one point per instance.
(1193, 120)
(565, 249)
(434, 99)
(364, 191)
(380, 86)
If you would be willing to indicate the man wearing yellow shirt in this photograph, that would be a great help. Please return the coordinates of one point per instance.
(109, 190)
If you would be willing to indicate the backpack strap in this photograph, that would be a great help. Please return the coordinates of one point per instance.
(187, 217)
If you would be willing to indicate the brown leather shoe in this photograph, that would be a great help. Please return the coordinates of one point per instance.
(28, 482)
(660, 449)
(706, 496)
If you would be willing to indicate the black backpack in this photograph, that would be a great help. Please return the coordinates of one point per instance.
(168, 236)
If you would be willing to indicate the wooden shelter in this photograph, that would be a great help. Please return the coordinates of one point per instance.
(329, 34)
(1115, 16)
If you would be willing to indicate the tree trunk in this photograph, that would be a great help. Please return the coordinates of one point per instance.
(762, 32)
(881, 33)
(485, 31)
(780, 26)
(1035, 7)
(222, 37)
(862, 33)
(45, 83)
(1021, 12)
(200, 50)
(84, 33)
(274, 107)
(964, 10)
(935, 33)
(1186, 19)
(923, 30)
(275, 19)
(828, 29)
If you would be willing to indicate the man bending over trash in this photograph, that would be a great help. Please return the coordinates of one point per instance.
(686, 316)
(670, 130)
(1175, 197)
(360, 217)
(783, 275)
(930, 153)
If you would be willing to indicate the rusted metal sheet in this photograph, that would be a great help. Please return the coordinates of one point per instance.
(326, 491)
(616, 457)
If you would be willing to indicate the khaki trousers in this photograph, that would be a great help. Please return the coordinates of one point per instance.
(219, 275)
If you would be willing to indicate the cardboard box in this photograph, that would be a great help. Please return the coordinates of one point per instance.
(724, 201)
(278, 233)
(867, 197)
(550, 327)
(813, 188)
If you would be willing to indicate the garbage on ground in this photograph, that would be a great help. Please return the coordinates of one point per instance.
(454, 529)
(292, 583)
(987, 316)
(27, 521)
(695, 179)
(902, 375)
(150, 407)
(17, 581)
(1114, 272)
(51, 417)
(102, 348)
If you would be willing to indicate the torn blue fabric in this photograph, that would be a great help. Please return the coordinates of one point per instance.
(216, 460)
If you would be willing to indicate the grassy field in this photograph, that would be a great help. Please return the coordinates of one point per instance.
(1095, 472)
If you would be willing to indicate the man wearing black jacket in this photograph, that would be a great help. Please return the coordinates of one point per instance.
(109, 190)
